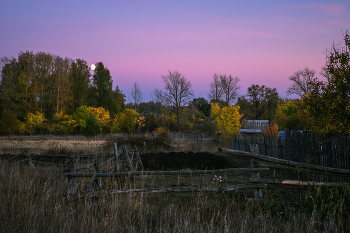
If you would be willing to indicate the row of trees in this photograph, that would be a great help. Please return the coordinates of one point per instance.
(52, 85)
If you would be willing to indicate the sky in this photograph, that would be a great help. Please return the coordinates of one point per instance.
(261, 42)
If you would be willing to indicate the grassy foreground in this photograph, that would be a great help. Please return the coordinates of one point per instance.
(31, 201)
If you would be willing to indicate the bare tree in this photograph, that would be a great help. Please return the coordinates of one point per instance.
(224, 88)
(157, 97)
(136, 94)
(177, 91)
(215, 89)
(230, 88)
(301, 82)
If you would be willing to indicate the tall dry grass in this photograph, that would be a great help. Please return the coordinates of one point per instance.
(31, 201)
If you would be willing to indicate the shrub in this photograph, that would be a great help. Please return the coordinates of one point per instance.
(9, 123)
(33, 121)
(272, 131)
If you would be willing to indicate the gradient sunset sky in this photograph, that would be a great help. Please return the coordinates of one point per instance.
(261, 42)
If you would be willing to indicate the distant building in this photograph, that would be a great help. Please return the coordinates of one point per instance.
(153, 112)
(254, 126)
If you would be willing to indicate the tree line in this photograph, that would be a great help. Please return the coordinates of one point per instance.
(62, 93)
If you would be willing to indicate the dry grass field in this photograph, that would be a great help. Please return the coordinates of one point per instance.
(31, 200)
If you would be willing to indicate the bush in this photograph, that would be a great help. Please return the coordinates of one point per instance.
(209, 127)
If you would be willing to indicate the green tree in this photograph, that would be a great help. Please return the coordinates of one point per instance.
(327, 107)
(79, 76)
(43, 79)
(16, 85)
(61, 85)
(288, 116)
(260, 103)
(119, 101)
(92, 127)
(202, 105)
(101, 88)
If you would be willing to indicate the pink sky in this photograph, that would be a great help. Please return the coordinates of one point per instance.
(138, 41)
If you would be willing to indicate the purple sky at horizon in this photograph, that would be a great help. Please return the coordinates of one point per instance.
(140, 40)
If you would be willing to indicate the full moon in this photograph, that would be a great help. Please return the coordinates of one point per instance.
(93, 67)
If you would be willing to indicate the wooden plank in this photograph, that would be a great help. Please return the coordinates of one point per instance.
(167, 189)
(294, 168)
(136, 173)
(295, 182)
(84, 167)
(288, 162)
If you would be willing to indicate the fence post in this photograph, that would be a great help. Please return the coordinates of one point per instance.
(97, 170)
(254, 149)
(116, 157)
(71, 169)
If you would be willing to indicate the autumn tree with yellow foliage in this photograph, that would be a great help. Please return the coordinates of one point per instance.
(127, 121)
(226, 119)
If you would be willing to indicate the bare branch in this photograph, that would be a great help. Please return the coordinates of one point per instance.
(301, 82)
(136, 94)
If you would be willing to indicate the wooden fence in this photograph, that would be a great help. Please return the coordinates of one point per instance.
(258, 160)
(258, 163)
(302, 146)
(73, 172)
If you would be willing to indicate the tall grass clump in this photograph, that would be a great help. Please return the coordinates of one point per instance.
(31, 201)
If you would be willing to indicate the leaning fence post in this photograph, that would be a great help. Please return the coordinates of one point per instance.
(254, 149)
(127, 158)
(138, 158)
(71, 169)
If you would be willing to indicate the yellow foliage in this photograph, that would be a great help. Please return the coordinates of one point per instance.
(101, 115)
(226, 119)
(33, 120)
(114, 127)
(126, 121)
(200, 120)
(139, 121)
(21, 127)
(66, 120)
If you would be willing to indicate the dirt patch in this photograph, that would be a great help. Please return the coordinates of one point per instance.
(185, 160)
